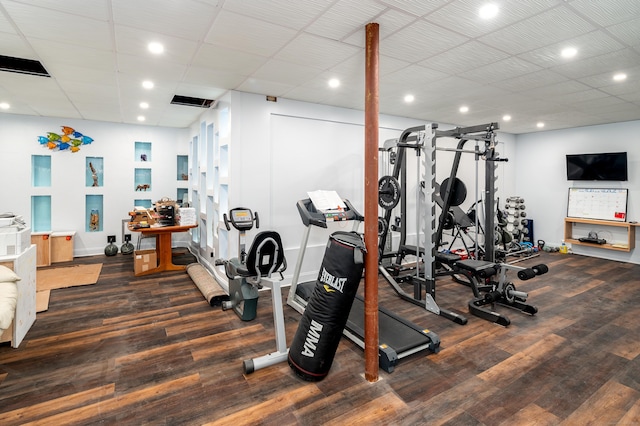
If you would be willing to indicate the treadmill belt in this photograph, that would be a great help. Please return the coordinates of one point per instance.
(396, 333)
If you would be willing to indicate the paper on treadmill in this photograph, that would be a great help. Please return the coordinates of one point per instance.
(327, 201)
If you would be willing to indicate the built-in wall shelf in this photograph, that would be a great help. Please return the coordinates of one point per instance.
(94, 175)
(143, 151)
(182, 167)
(93, 213)
(142, 179)
(41, 170)
(570, 236)
(41, 213)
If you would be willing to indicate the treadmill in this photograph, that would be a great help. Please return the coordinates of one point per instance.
(397, 336)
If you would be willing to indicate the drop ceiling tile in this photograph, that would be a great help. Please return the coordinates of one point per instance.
(133, 41)
(419, 41)
(197, 91)
(607, 12)
(151, 68)
(628, 32)
(546, 28)
(611, 62)
(14, 45)
(344, 18)
(50, 51)
(530, 81)
(314, 51)
(292, 14)
(558, 89)
(59, 26)
(95, 10)
(413, 77)
(223, 59)
(264, 87)
(207, 77)
(606, 83)
(188, 19)
(465, 57)
(286, 73)
(592, 44)
(418, 8)
(576, 97)
(248, 34)
(462, 16)
(390, 21)
(505, 69)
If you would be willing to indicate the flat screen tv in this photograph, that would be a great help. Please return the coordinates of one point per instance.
(610, 166)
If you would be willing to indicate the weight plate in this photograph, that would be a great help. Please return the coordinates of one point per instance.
(458, 191)
(382, 226)
(388, 192)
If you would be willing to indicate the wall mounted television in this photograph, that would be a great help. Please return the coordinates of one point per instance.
(611, 166)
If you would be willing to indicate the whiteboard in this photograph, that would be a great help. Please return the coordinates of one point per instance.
(598, 203)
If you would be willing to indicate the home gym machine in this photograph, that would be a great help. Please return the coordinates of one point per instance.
(448, 196)
(398, 337)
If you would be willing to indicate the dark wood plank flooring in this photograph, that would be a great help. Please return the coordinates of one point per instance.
(150, 350)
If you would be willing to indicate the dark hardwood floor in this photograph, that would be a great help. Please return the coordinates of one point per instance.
(150, 350)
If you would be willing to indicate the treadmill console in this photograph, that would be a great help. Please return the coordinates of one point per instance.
(312, 216)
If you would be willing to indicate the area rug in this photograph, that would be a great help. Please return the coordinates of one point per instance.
(69, 276)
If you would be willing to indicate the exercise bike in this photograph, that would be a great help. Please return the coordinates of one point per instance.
(243, 294)
(247, 272)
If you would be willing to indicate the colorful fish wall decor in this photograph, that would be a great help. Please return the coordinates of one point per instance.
(69, 140)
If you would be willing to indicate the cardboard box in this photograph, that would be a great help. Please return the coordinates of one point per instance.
(62, 246)
(14, 241)
(144, 260)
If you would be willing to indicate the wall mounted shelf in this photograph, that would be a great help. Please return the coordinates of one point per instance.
(629, 228)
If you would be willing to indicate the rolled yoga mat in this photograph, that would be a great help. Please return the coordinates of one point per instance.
(210, 289)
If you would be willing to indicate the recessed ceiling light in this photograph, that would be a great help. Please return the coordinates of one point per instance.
(155, 47)
(334, 82)
(4, 105)
(569, 52)
(147, 84)
(464, 109)
(506, 117)
(144, 105)
(540, 125)
(141, 118)
(488, 11)
(409, 98)
(620, 77)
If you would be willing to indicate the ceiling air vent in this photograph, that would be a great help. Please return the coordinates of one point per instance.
(22, 66)
(189, 101)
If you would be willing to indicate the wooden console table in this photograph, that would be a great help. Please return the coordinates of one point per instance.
(163, 246)
(630, 228)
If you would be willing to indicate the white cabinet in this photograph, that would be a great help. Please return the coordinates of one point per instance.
(24, 265)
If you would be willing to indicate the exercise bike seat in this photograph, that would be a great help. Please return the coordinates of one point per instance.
(265, 257)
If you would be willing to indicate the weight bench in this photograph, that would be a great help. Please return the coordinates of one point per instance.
(488, 291)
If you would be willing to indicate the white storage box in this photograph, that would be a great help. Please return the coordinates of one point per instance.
(13, 240)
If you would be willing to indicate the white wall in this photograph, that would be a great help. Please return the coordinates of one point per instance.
(115, 143)
(541, 178)
(279, 151)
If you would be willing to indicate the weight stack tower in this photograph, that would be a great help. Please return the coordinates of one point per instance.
(517, 222)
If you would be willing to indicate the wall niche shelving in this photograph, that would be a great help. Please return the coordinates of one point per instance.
(41, 213)
(41, 170)
(142, 151)
(94, 175)
(93, 213)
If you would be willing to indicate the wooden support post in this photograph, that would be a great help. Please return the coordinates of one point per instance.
(371, 109)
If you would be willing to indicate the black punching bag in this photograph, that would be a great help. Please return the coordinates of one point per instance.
(320, 328)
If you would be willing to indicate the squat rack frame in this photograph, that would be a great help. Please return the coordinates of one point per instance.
(414, 138)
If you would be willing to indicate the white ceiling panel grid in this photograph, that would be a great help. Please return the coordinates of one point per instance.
(438, 50)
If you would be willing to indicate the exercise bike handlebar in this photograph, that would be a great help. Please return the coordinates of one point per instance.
(226, 221)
